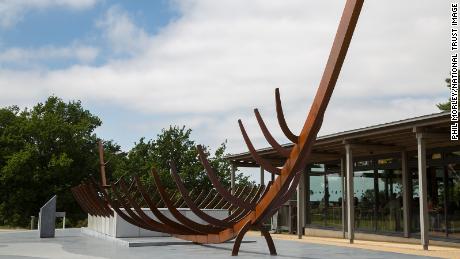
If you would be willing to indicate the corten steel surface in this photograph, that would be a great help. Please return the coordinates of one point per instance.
(287, 180)
(249, 207)
(91, 201)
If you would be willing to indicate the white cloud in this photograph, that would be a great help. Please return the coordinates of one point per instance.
(12, 11)
(21, 56)
(123, 35)
(222, 58)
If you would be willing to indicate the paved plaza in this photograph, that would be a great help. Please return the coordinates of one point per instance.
(71, 243)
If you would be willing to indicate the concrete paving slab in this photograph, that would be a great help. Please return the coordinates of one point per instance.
(381, 246)
(72, 244)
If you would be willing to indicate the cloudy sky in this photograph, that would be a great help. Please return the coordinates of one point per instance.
(144, 65)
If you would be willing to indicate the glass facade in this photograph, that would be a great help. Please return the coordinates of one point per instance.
(453, 200)
(389, 214)
(325, 196)
(443, 178)
(378, 194)
(363, 182)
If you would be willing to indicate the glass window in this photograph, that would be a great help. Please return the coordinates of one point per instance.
(333, 198)
(364, 194)
(389, 201)
(316, 199)
(453, 200)
(415, 205)
(443, 198)
(325, 207)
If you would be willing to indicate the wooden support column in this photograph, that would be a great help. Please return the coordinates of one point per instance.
(300, 205)
(232, 179)
(262, 176)
(344, 215)
(423, 192)
(350, 194)
(407, 193)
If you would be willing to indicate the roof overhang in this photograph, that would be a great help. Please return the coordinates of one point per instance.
(384, 138)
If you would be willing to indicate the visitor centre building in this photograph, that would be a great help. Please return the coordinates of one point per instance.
(402, 177)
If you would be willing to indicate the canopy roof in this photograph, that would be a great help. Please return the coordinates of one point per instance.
(383, 138)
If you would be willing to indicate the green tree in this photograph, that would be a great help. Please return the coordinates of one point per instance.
(44, 151)
(445, 106)
(174, 144)
(52, 147)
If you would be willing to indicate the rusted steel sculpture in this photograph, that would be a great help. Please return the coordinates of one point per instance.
(91, 200)
(246, 211)
(288, 175)
(127, 202)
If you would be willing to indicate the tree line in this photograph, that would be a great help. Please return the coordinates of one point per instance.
(51, 147)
